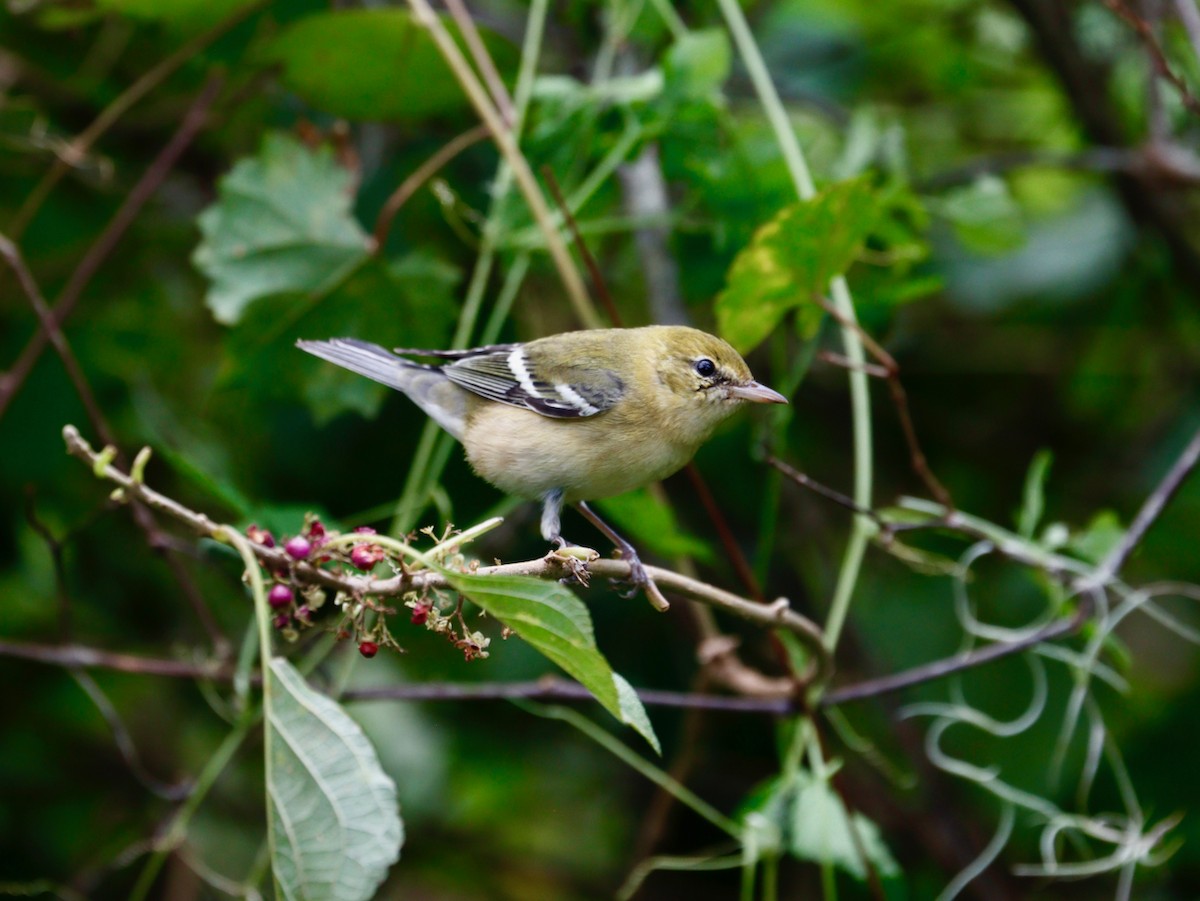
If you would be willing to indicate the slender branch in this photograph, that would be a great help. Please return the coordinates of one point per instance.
(948, 666)
(1150, 510)
(775, 615)
(1158, 59)
(422, 174)
(593, 268)
(147, 185)
(483, 60)
(891, 368)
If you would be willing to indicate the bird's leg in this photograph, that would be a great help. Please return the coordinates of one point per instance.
(638, 576)
(552, 502)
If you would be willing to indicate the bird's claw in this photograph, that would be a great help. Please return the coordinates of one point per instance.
(574, 559)
(640, 578)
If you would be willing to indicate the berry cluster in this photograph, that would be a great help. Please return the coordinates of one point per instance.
(295, 600)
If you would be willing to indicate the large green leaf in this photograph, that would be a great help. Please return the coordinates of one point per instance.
(555, 622)
(335, 822)
(281, 223)
(372, 64)
(791, 260)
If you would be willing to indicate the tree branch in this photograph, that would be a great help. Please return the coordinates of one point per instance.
(777, 615)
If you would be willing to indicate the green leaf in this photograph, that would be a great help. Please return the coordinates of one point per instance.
(281, 223)
(813, 824)
(792, 258)
(555, 622)
(376, 64)
(653, 525)
(1033, 503)
(698, 64)
(335, 822)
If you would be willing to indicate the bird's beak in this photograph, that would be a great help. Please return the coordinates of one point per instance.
(756, 393)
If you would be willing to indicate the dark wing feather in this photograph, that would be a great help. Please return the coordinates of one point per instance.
(505, 375)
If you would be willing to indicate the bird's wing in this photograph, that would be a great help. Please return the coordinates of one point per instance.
(454, 354)
(506, 374)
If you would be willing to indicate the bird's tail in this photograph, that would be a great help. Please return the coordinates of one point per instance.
(426, 386)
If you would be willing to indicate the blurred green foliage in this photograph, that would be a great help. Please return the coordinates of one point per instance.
(1034, 276)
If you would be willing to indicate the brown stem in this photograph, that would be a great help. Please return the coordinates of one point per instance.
(598, 283)
(483, 61)
(891, 368)
(1158, 59)
(422, 174)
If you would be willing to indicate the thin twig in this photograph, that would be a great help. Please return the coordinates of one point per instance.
(1158, 58)
(917, 457)
(50, 328)
(147, 185)
(420, 175)
(948, 666)
(598, 283)
(1150, 510)
(729, 542)
(483, 60)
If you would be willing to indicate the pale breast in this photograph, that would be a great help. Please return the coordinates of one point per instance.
(525, 454)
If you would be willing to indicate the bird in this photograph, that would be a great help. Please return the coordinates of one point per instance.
(571, 417)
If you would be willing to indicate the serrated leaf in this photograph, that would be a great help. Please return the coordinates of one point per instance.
(555, 622)
(374, 64)
(791, 260)
(335, 822)
(282, 223)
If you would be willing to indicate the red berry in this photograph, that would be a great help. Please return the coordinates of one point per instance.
(316, 531)
(368, 648)
(298, 548)
(420, 614)
(280, 596)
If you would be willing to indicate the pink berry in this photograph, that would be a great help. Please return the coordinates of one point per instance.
(420, 614)
(280, 596)
(304, 614)
(298, 548)
(365, 530)
(365, 556)
(282, 621)
(316, 531)
(368, 648)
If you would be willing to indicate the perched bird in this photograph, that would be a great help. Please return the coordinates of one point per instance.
(575, 416)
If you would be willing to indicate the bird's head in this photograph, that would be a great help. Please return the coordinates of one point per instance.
(708, 376)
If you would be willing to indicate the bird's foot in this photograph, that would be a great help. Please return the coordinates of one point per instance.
(639, 577)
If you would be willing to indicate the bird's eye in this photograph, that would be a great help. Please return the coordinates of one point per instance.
(706, 367)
